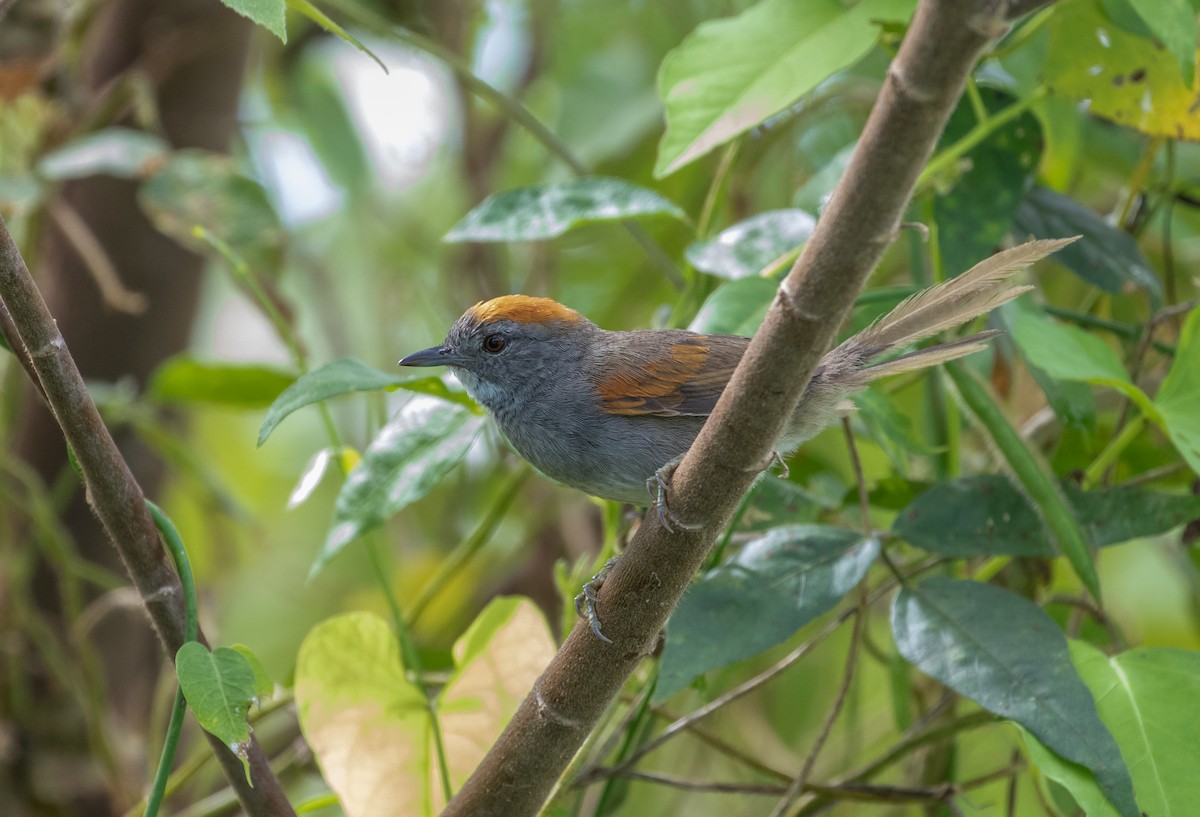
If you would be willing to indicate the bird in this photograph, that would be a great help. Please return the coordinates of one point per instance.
(612, 413)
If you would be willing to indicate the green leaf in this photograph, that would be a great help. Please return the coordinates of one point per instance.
(1105, 257)
(1127, 79)
(769, 590)
(730, 75)
(774, 502)
(322, 19)
(270, 14)
(219, 687)
(749, 247)
(977, 212)
(366, 722)
(200, 191)
(1066, 352)
(1150, 698)
(889, 427)
(183, 379)
(1173, 23)
(1179, 396)
(986, 515)
(1079, 780)
(1007, 655)
(549, 210)
(1034, 476)
(121, 152)
(264, 687)
(735, 308)
(404, 462)
(345, 376)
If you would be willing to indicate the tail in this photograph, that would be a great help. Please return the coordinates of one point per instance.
(977, 291)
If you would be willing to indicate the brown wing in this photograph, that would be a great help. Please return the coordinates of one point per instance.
(667, 373)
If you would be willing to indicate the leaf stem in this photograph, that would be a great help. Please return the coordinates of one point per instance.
(1095, 472)
(170, 536)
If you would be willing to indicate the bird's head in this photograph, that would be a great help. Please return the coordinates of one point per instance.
(498, 348)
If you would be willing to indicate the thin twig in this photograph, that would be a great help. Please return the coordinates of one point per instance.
(95, 259)
(864, 499)
(794, 791)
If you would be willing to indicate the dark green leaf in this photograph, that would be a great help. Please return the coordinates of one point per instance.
(1179, 396)
(974, 216)
(1173, 23)
(730, 75)
(270, 14)
(986, 515)
(197, 189)
(122, 152)
(774, 502)
(404, 462)
(772, 588)
(748, 247)
(735, 308)
(1007, 655)
(219, 687)
(1104, 257)
(548, 210)
(263, 685)
(183, 379)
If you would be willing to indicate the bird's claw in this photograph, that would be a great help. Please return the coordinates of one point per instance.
(658, 486)
(585, 602)
(773, 458)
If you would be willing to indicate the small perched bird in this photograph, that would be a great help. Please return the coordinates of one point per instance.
(611, 413)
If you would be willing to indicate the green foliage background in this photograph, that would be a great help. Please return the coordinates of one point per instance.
(335, 248)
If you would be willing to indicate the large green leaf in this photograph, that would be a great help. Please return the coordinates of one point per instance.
(345, 376)
(730, 75)
(986, 515)
(270, 14)
(1007, 655)
(748, 247)
(219, 687)
(1069, 353)
(1150, 700)
(1105, 256)
(1173, 23)
(977, 212)
(183, 379)
(366, 722)
(1178, 399)
(549, 210)
(736, 307)
(404, 462)
(1123, 77)
(122, 152)
(773, 587)
(369, 726)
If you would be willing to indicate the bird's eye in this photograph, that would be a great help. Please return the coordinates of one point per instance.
(494, 344)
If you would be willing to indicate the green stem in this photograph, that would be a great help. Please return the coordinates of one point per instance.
(1087, 319)
(982, 130)
(170, 536)
(1033, 474)
(1116, 445)
(471, 545)
(714, 189)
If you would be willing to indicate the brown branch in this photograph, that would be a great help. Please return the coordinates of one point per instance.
(115, 496)
(95, 259)
(923, 84)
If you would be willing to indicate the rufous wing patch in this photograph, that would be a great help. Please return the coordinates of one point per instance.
(666, 380)
(522, 309)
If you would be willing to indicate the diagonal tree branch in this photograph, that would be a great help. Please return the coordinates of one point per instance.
(923, 84)
(114, 495)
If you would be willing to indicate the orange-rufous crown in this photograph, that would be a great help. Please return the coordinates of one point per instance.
(522, 309)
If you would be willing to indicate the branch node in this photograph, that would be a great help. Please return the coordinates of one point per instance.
(545, 710)
(52, 348)
(788, 300)
(907, 90)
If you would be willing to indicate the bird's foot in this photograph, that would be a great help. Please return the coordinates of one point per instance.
(585, 602)
(773, 458)
(658, 487)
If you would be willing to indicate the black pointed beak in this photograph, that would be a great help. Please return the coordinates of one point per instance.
(435, 356)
